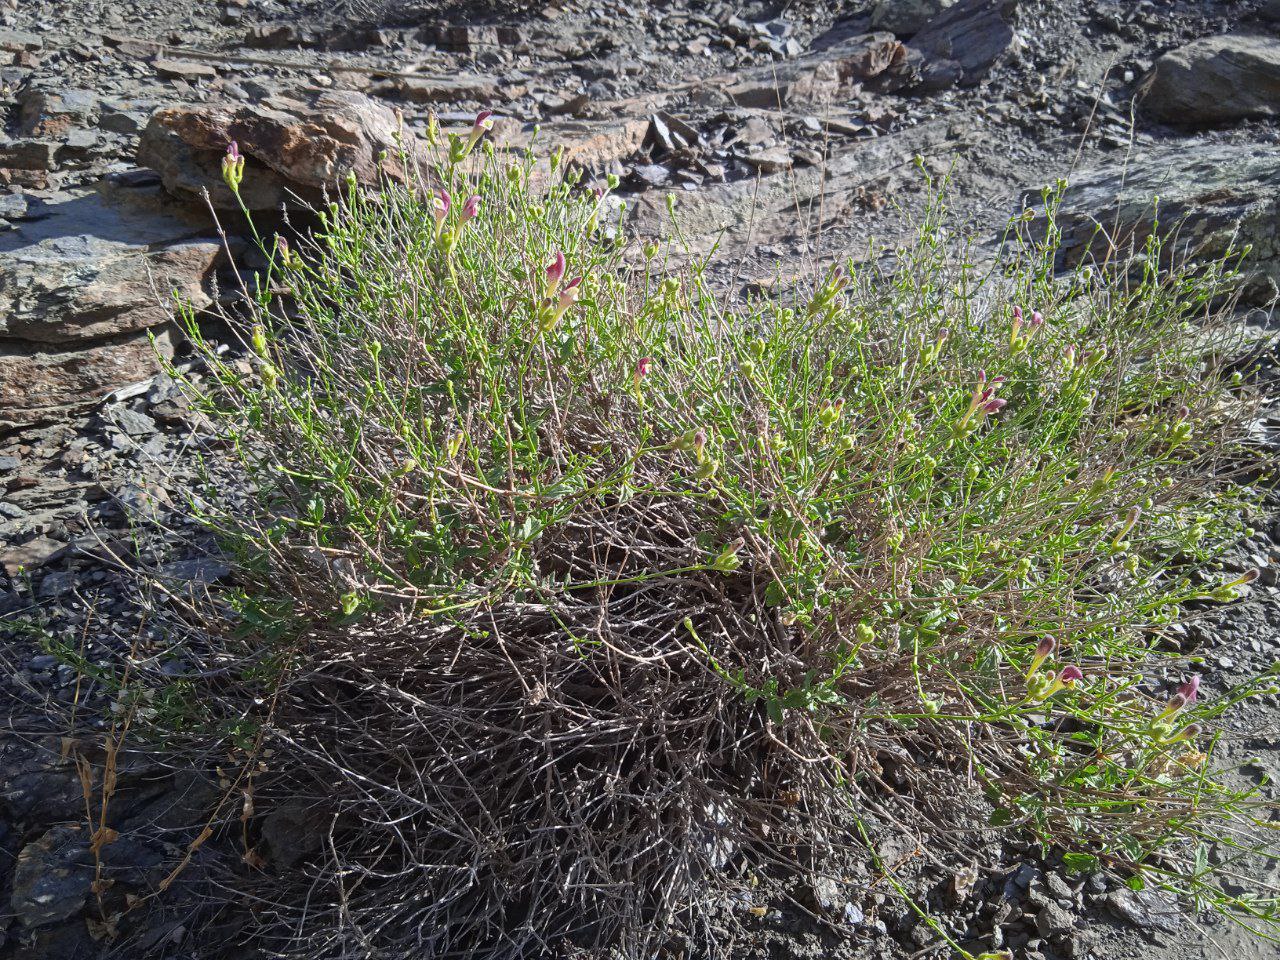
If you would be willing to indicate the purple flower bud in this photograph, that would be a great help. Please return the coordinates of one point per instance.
(471, 208)
(1017, 313)
(483, 121)
(233, 150)
(642, 367)
(995, 406)
(1037, 319)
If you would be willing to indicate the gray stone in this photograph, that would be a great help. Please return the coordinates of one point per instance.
(51, 877)
(1145, 909)
(968, 38)
(1209, 198)
(99, 264)
(132, 422)
(1215, 80)
(905, 17)
(1053, 921)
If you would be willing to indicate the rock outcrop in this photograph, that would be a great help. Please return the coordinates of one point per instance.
(1215, 80)
(1211, 200)
(295, 146)
(83, 278)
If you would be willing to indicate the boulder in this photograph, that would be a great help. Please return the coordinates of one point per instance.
(295, 145)
(1215, 80)
(1212, 198)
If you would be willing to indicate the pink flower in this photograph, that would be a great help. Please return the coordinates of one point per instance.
(471, 208)
(984, 400)
(699, 442)
(233, 167)
(555, 272)
(1017, 313)
(1190, 689)
(569, 294)
(440, 204)
(1037, 319)
(642, 367)
(1044, 650)
(483, 123)
(1070, 674)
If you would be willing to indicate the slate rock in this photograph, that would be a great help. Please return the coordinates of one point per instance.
(98, 264)
(819, 78)
(905, 17)
(455, 89)
(49, 109)
(973, 35)
(1145, 909)
(1209, 197)
(51, 877)
(42, 382)
(1215, 80)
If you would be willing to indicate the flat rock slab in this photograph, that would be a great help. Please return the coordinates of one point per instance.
(40, 382)
(295, 145)
(98, 264)
(1211, 199)
(1215, 80)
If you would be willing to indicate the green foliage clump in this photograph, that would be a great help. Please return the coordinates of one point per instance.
(603, 587)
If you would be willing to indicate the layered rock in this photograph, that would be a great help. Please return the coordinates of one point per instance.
(1215, 80)
(1212, 200)
(905, 17)
(82, 280)
(964, 41)
(295, 146)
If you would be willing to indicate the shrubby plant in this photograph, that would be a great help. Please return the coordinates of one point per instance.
(581, 594)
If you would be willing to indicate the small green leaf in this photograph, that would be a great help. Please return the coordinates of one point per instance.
(1001, 817)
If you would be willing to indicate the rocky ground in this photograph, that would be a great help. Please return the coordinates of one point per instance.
(787, 132)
